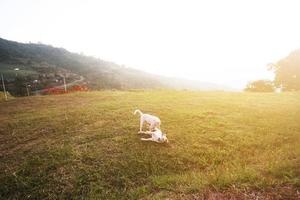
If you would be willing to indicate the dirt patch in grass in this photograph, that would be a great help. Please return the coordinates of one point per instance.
(287, 192)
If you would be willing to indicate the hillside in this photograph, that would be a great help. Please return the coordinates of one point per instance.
(47, 65)
(86, 146)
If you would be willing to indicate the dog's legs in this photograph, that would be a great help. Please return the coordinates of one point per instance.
(154, 125)
(141, 125)
(148, 132)
(151, 127)
(147, 139)
(142, 132)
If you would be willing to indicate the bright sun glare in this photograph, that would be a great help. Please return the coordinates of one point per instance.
(225, 42)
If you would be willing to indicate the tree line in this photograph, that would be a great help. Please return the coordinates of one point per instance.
(287, 76)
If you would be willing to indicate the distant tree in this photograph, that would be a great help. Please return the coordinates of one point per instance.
(260, 86)
(287, 72)
(20, 86)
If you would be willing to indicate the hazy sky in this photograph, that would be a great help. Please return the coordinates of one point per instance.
(228, 42)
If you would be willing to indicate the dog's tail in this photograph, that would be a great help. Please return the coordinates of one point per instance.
(138, 111)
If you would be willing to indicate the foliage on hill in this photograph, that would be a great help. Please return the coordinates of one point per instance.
(35, 60)
(98, 73)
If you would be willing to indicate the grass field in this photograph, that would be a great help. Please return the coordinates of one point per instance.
(85, 145)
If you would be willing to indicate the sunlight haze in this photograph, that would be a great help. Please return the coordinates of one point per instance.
(224, 42)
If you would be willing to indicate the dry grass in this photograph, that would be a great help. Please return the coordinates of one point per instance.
(84, 145)
(2, 96)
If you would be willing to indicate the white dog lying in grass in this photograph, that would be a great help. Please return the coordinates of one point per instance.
(153, 121)
(156, 136)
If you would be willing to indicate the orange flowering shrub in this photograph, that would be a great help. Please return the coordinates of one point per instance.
(75, 88)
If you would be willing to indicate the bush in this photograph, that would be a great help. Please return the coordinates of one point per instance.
(260, 86)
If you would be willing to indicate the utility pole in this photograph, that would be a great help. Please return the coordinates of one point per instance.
(65, 84)
(27, 89)
(3, 85)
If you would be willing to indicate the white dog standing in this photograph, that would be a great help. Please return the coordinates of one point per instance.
(156, 136)
(153, 121)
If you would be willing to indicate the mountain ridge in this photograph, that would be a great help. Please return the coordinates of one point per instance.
(38, 60)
